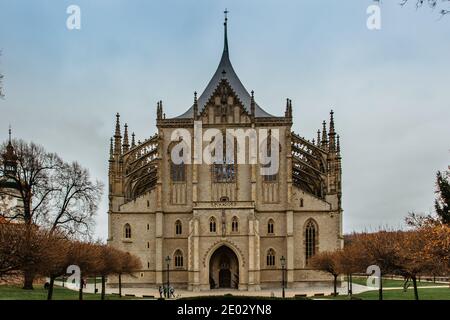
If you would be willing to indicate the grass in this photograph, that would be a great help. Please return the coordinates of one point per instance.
(399, 294)
(238, 297)
(393, 283)
(8, 292)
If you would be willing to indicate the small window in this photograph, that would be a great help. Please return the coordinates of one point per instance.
(234, 224)
(127, 231)
(148, 226)
(148, 245)
(270, 226)
(178, 227)
(270, 258)
(178, 258)
(301, 202)
(212, 224)
(148, 265)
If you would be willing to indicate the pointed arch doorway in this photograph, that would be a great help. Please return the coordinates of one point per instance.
(224, 269)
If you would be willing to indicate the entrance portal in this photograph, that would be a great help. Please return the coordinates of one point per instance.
(224, 269)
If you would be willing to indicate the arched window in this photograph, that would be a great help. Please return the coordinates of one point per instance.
(178, 258)
(178, 227)
(270, 145)
(270, 226)
(301, 202)
(212, 224)
(310, 239)
(127, 231)
(177, 171)
(234, 224)
(224, 170)
(270, 258)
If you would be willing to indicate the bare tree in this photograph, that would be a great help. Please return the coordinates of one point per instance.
(75, 202)
(51, 193)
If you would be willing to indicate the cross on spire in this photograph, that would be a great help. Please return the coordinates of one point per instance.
(226, 14)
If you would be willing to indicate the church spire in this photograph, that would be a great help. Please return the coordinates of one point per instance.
(126, 144)
(195, 106)
(252, 104)
(117, 137)
(111, 150)
(10, 158)
(133, 142)
(324, 135)
(225, 24)
(332, 133)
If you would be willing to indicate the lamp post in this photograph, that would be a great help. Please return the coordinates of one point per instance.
(168, 268)
(283, 266)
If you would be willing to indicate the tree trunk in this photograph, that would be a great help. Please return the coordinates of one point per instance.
(28, 277)
(335, 284)
(380, 290)
(120, 285)
(80, 292)
(416, 293)
(50, 288)
(103, 287)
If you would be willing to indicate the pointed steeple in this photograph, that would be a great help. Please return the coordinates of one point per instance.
(117, 137)
(318, 137)
(125, 145)
(10, 158)
(159, 110)
(225, 72)
(133, 142)
(324, 135)
(288, 112)
(332, 134)
(111, 150)
(195, 106)
(252, 105)
(225, 38)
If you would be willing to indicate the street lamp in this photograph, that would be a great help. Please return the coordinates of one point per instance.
(283, 267)
(168, 268)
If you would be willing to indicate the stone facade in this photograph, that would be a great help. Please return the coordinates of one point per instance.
(225, 231)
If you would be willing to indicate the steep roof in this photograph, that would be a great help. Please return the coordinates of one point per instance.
(225, 71)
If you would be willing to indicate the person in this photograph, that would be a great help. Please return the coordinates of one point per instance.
(161, 291)
(171, 292)
(46, 286)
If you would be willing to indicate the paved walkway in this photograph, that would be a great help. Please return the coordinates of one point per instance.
(141, 292)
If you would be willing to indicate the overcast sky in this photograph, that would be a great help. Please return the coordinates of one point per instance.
(389, 88)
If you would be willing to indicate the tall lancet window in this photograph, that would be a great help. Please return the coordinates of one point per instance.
(178, 171)
(310, 240)
(225, 170)
(212, 225)
(269, 140)
(178, 258)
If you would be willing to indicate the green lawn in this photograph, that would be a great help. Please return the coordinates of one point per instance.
(390, 283)
(39, 293)
(424, 294)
